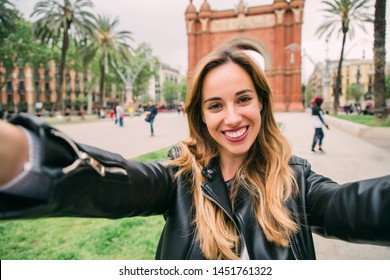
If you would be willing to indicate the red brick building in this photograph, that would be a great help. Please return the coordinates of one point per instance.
(274, 31)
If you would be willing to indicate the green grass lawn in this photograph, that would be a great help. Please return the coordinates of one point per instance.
(73, 120)
(83, 238)
(365, 119)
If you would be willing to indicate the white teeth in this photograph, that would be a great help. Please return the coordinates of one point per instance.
(235, 134)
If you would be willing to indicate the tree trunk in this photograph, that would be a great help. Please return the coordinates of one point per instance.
(62, 82)
(380, 110)
(102, 85)
(89, 102)
(337, 91)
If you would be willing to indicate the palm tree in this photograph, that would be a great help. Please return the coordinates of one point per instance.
(8, 21)
(340, 17)
(62, 20)
(380, 110)
(7, 15)
(108, 46)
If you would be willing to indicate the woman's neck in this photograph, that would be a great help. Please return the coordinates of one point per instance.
(230, 165)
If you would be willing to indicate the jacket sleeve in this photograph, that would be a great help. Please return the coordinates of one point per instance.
(321, 116)
(357, 212)
(83, 181)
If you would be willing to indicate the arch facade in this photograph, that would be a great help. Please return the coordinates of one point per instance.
(273, 30)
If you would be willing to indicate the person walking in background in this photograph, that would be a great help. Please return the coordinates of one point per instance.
(318, 123)
(151, 112)
(119, 114)
(67, 114)
(102, 113)
(81, 114)
(115, 115)
(112, 112)
(232, 190)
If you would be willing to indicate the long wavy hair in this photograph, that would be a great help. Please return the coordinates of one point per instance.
(265, 173)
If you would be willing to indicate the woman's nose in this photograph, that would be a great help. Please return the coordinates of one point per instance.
(232, 116)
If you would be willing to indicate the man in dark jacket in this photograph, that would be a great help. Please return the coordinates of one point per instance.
(152, 111)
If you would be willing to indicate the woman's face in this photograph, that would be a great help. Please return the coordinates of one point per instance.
(231, 109)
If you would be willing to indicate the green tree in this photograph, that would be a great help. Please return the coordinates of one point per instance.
(145, 65)
(62, 20)
(380, 110)
(171, 91)
(8, 21)
(8, 15)
(354, 92)
(341, 17)
(183, 88)
(309, 94)
(109, 47)
(387, 86)
(19, 48)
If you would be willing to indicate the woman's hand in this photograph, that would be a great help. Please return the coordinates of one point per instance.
(13, 151)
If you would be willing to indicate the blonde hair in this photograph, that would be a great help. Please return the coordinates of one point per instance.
(266, 172)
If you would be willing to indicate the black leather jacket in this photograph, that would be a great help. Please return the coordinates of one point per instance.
(72, 183)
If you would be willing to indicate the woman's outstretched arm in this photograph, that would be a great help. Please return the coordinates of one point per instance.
(14, 150)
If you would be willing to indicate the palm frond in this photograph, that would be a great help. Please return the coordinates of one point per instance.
(7, 14)
(342, 16)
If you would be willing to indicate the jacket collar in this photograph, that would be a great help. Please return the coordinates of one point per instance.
(215, 187)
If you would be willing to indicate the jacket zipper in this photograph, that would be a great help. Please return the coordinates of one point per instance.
(86, 159)
(230, 217)
(292, 249)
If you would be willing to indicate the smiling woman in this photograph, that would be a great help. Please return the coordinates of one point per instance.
(231, 110)
(232, 96)
(233, 190)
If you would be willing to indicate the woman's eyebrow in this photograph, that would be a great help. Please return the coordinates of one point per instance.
(243, 91)
(212, 99)
(216, 98)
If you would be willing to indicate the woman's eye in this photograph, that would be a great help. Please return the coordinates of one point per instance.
(214, 106)
(244, 99)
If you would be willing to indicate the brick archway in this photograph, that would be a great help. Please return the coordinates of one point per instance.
(273, 30)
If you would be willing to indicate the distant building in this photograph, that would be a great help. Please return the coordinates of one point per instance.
(354, 71)
(25, 89)
(155, 88)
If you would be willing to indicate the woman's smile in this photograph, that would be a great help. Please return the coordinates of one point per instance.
(236, 135)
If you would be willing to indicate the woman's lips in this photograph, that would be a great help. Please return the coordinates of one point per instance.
(236, 135)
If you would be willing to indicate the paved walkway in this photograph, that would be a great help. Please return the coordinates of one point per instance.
(133, 139)
(346, 158)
